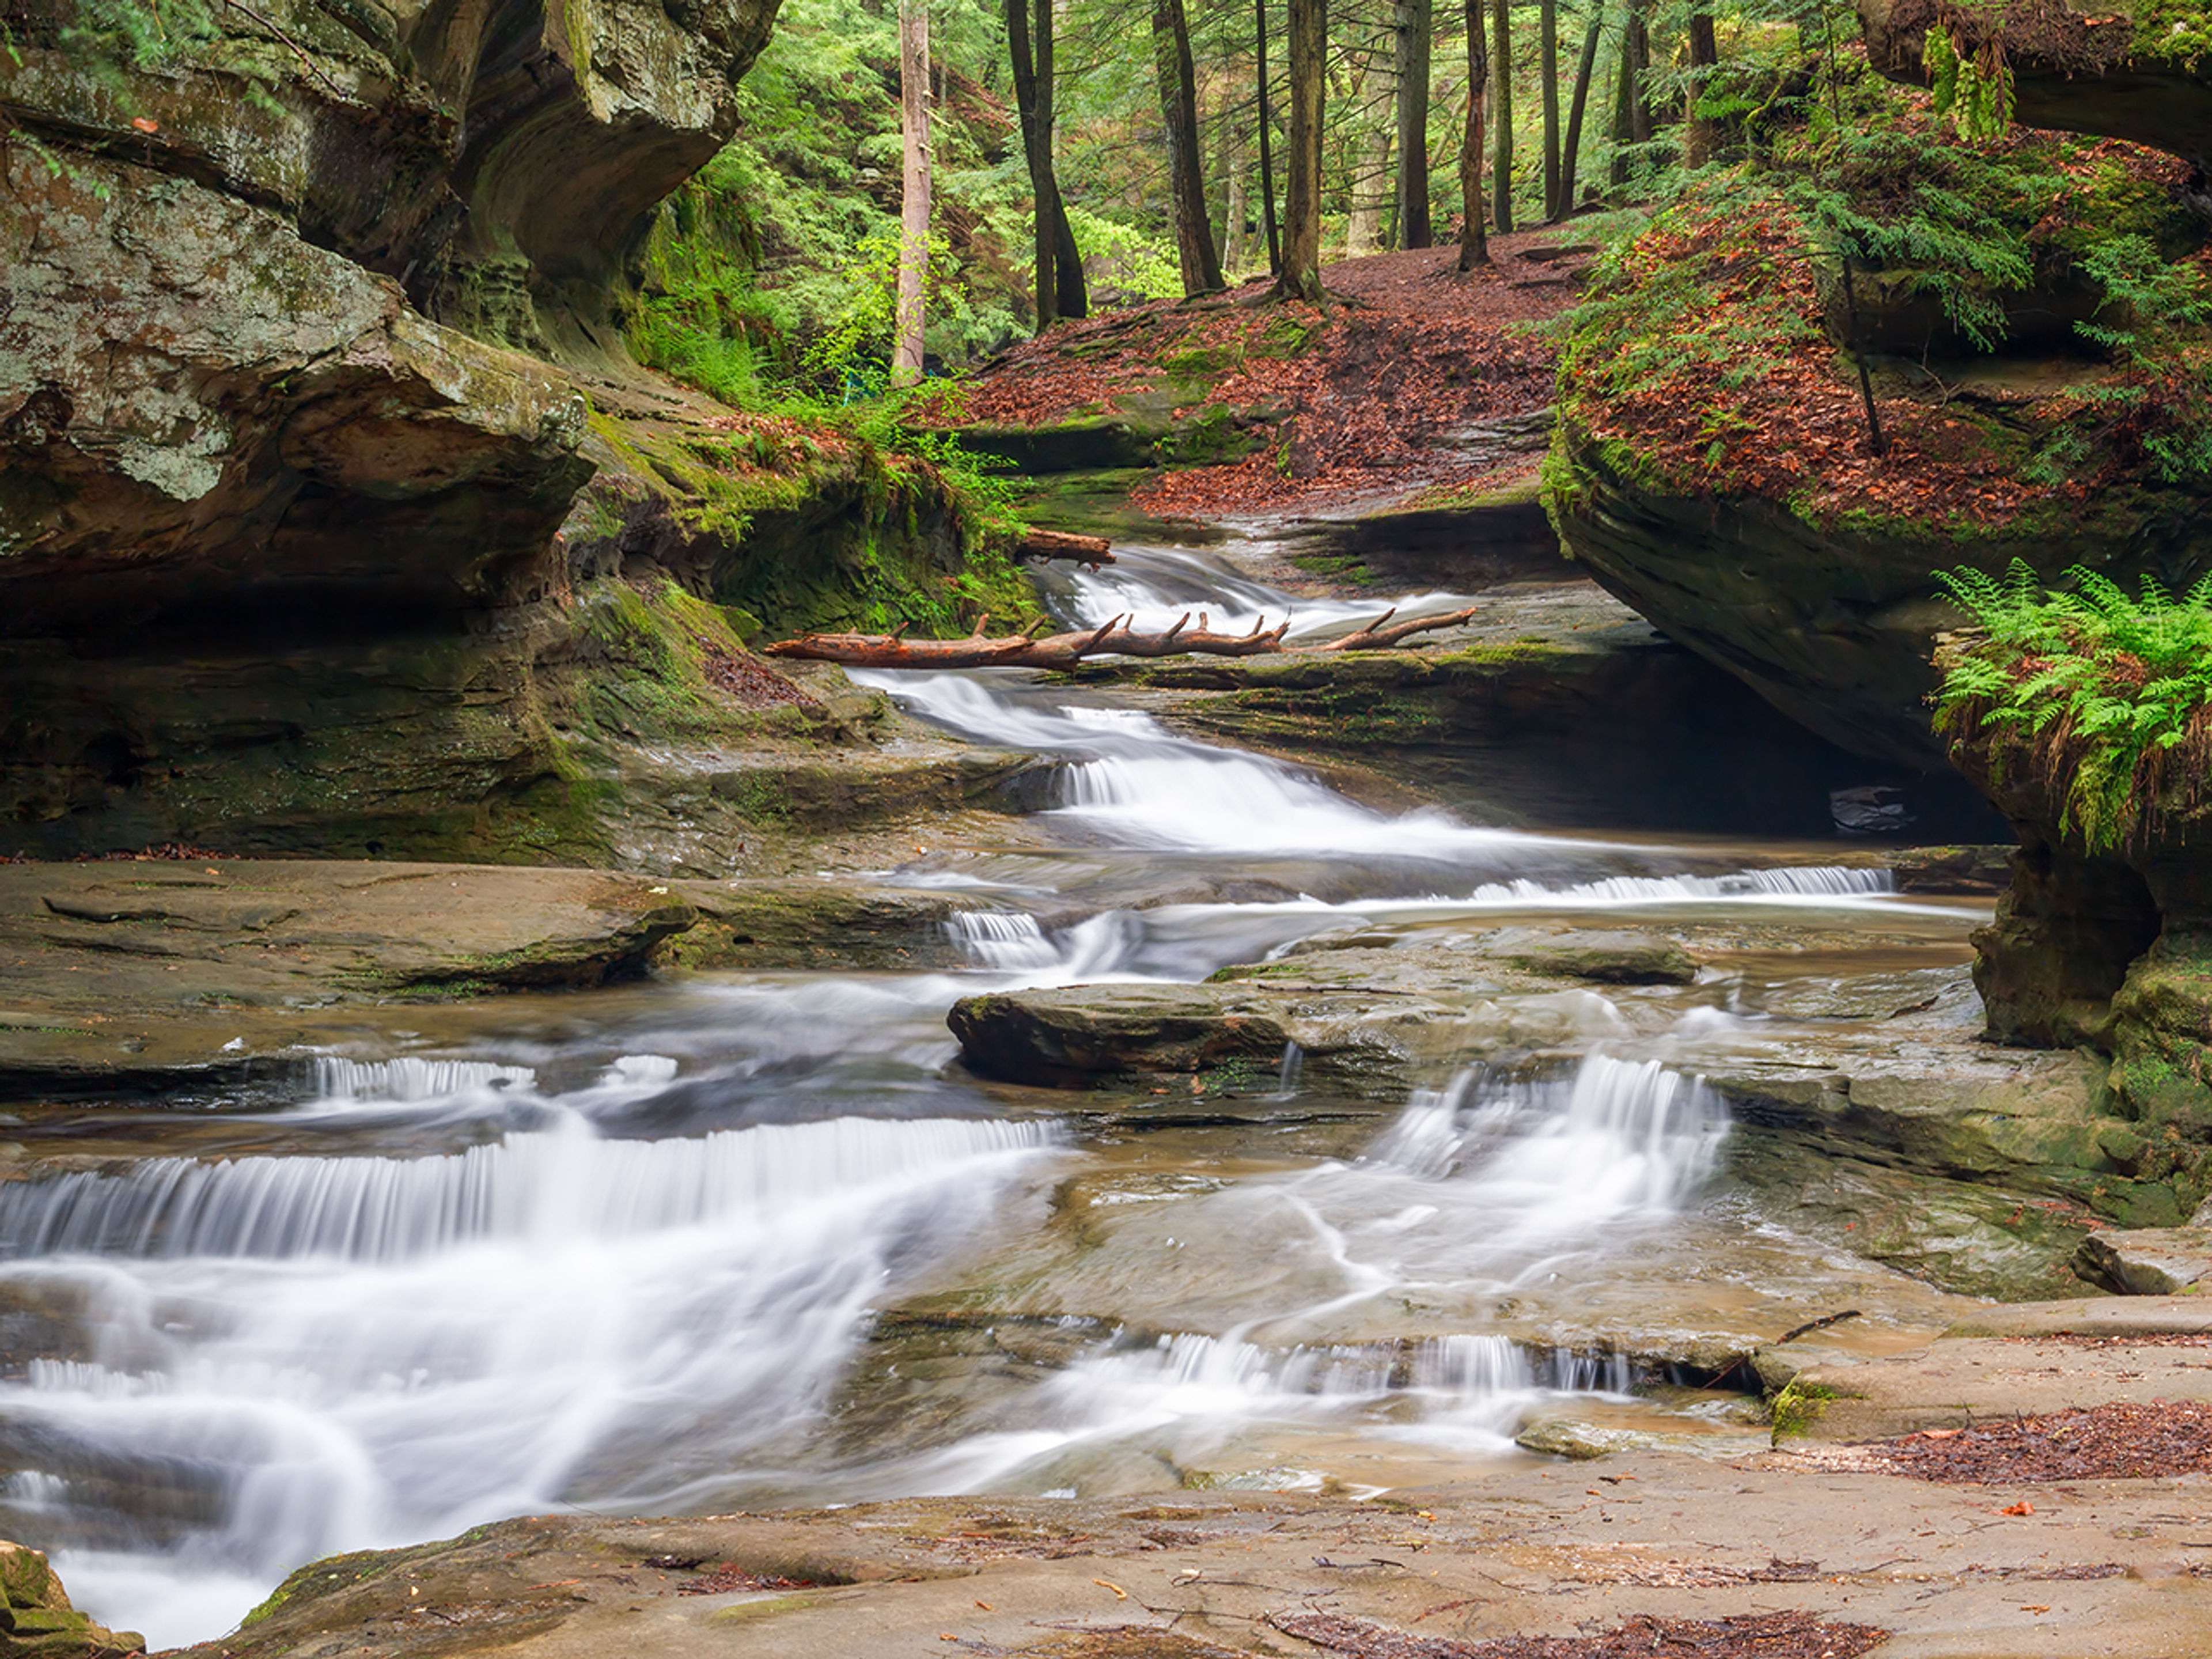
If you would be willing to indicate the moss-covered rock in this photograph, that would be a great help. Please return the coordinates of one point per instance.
(1718, 473)
(37, 1620)
(2111, 948)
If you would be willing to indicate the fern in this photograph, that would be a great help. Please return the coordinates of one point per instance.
(2108, 693)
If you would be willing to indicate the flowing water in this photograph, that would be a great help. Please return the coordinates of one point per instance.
(635, 1250)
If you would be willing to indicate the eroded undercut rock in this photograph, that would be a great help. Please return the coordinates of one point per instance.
(334, 516)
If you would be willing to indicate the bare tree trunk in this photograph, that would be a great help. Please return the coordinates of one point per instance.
(1414, 32)
(1266, 142)
(1473, 237)
(913, 212)
(1178, 83)
(1623, 97)
(1037, 152)
(1547, 69)
(1368, 187)
(1300, 278)
(1639, 55)
(1568, 160)
(1698, 137)
(1501, 66)
(1232, 227)
(1072, 293)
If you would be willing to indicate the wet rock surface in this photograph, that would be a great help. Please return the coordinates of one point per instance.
(2155, 1352)
(130, 975)
(1526, 1551)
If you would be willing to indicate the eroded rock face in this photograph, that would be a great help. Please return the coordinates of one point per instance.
(499, 158)
(2110, 950)
(206, 418)
(1835, 628)
(297, 550)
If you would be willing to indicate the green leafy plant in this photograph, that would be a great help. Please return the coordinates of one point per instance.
(2107, 694)
(1971, 82)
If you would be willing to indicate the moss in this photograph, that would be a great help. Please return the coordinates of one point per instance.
(1285, 336)
(1799, 1406)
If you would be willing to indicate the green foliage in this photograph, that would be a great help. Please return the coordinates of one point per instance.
(141, 34)
(1125, 262)
(1974, 87)
(2108, 693)
(2152, 321)
(2153, 302)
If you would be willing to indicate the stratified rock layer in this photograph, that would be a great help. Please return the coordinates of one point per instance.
(334, 517)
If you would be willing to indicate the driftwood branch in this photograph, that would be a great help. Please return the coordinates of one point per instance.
(1261, 639)
(1166, 643)
(1377, 637)
(1063, 544)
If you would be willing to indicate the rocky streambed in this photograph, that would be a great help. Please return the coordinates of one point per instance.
(1181, 1131)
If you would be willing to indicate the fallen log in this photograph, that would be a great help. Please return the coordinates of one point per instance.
(1166, 643)
(891, 650)
(1375, 637)
(1064, 544)
(1066, 650)
(1204, 642)
(1056, 650)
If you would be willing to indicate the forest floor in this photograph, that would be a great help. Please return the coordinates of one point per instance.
(1390, 390)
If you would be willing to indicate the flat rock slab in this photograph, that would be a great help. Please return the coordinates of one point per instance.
(145, 974)
(1958, 1380)
(1549, 1549)
(1368, 1044)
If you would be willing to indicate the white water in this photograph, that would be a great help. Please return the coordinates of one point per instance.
(1131, 781)
(1489, 1183)
(262, 1360)
(327, 1353)
(1154, 586)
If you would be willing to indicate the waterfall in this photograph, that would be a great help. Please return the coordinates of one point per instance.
(1615, 1135)
(281, 1356)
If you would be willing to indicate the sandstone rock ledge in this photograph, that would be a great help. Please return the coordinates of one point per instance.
(135, 974)
(1533, 1549)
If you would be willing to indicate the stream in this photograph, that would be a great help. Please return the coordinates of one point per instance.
(734, 1240)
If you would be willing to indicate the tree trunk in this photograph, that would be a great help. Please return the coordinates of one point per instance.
(1501, 69)
(1036, 150)
(1369, 186)
(1624, 98)
(1548, 71)
(1583, 74)
(1232, 227)
(1704, 52)
(1473, 238)
(1413, 29)
(1266, 142)
(1639, 57)
(913, 213)
(1069, 289)
(1201, 270)
(1300, 278)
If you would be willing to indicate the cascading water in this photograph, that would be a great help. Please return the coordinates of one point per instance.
(642, 1286)
(285, 1356)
